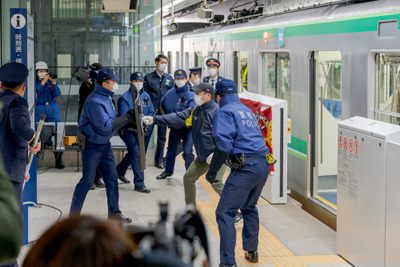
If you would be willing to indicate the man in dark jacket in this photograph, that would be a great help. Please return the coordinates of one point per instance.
(156, 84)
(200, 118)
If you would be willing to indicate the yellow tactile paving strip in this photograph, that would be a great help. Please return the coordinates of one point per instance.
(271, 250)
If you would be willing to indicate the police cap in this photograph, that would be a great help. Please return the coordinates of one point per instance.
(196, 70)
(226, 86)
(180, 74)
(213, 62)
(107, 74)
(13, 74)
(204, 87)
(137, 76)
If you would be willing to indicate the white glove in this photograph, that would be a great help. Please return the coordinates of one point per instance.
(208, 160)
(148, 120)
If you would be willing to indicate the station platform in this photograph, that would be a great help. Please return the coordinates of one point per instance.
(289, 236)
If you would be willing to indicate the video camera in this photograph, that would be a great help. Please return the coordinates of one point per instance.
(52, 75)
(82, 74)
(166, 243)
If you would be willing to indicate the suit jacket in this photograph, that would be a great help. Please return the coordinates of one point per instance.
(15, 134)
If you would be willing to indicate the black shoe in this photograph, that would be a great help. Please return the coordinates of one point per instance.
(142, 189)
(118, 216)
(99, 184)
(163, 175)
(93, 187)
(123, 179)
(159, 165)
(59, 164)
(251, 256)
(227, 265)
(238, 218)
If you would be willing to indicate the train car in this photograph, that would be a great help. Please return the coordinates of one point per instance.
(330, 63)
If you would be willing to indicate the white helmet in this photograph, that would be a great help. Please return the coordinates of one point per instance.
(41, 65)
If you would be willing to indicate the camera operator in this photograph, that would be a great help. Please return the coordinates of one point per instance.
(85, 90)
(47, 92)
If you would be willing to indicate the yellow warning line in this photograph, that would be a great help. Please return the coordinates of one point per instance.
(327, 202)
(271, 250)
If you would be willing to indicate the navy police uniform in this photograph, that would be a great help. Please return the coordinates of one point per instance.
(97, 124)
(195, 71)
(15, 131)
(177, 100)
(125, 103)
(157, 85)
(208, 79)
(236, 133)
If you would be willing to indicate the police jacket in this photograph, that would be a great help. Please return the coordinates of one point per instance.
(178, 99)
(96, 121)
(15, 134)
(200, 118)
(236, 130)
(47, 93)
(157, 87)
(125, 103)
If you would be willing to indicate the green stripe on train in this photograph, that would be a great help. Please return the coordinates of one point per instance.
(335, 26)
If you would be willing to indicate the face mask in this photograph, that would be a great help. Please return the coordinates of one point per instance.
(41, 75)
(139, 85)
(197, 100)
(115, 87)
(162, 67)
(244, 64)
(197, 81)
(212, 72)
(180, 83)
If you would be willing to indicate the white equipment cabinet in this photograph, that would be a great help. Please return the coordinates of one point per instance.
(275, 190)
(363, 164)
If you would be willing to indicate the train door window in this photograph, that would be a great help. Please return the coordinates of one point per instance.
(187, 61)
(177, 62)
(387, 96)
(276, 76)
(198, 59)
(170, 59)
(326, 112)
(240, 70)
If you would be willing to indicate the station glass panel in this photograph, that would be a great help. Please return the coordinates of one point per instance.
(387, 98)
(276, 76)
(75, 33)
(327, 114)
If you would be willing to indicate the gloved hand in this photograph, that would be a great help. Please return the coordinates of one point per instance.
(131, 115)
(209, 158)
(210, 176)
(148, 120)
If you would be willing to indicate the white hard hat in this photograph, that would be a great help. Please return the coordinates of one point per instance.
(41, 65)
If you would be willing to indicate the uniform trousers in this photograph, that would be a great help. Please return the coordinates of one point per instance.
(97, 156)
(241, 191)
(131, 158)
(175, 137)
(18, 193)
(197, 169)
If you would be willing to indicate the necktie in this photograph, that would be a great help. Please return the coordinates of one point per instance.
(212, 83)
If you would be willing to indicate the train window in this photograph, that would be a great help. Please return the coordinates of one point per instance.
(198, 59)
(326, 113)
(240, 70)
(276, 76)
(387, 98)
(187, 61)
(177, 62)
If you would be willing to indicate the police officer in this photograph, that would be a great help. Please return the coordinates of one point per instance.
(125, 103)
(200, 119)
(98, 124)
(238, 138)
(194, 78)
(15, 125)
(47, 92)
(156, 84)
(178, 99)
(213, 65)
(243, 72)
(85, 90)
